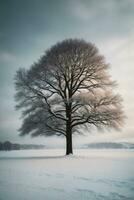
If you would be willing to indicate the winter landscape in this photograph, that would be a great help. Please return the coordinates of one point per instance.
(49, 174)
(67, 100)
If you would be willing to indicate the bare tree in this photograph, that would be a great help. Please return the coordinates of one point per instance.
(68, 88)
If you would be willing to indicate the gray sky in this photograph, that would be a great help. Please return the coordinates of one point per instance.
(29, 27)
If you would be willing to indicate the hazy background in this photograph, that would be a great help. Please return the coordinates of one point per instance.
(29, 27)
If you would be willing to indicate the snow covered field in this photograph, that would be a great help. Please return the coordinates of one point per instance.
(49, 175)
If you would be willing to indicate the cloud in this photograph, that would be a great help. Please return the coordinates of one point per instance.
(103, 19)
(7, 57)
(81, 11)
(86, 9)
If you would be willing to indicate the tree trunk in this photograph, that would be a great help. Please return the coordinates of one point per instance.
(69, 148)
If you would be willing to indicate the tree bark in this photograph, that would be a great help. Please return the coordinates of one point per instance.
(69, 146)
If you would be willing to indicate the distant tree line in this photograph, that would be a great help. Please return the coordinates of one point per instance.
(110, 145)
(8, 146)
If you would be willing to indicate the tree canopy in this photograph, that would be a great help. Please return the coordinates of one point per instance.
(67, 88)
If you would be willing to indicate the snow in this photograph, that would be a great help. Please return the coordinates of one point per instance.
(48, 175)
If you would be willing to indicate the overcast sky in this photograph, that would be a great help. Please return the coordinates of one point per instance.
(29, 27)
